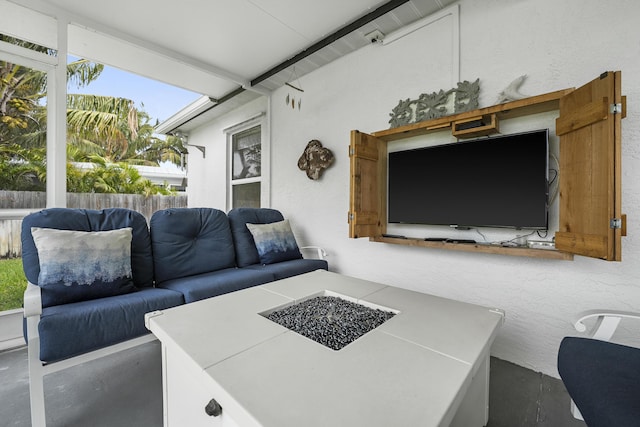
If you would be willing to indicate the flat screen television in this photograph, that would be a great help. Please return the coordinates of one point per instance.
(500, 181)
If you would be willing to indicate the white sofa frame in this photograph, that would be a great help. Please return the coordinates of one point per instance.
(38, 369)
(607, 322)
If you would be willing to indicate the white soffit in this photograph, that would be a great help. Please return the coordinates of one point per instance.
(244, 37)
(92, 45)
(210, 47)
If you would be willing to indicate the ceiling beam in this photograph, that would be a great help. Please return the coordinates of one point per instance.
(48, 9)
(371, 16)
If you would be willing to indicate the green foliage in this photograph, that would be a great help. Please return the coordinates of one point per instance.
(83, 71)
(22, 169)
(21, 110)
(12, 283)
(104, 177)
(107, 131)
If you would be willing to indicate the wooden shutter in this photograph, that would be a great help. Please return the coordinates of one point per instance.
(367, 202)
(589, 127)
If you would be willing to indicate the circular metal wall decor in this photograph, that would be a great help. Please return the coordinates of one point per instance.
(315, 159)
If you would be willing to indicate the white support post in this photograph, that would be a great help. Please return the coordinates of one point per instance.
(57, 124)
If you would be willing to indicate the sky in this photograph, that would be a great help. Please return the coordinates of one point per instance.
(159, 100)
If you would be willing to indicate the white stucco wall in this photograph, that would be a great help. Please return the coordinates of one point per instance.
(558, 45)
(208, 176)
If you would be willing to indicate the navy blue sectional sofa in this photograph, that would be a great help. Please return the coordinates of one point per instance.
(185, 255)
(202, 252)
(79, 305)
(247, 254)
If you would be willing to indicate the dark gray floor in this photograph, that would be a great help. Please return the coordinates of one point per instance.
(124, 390)
(520, 397)
(121, 390)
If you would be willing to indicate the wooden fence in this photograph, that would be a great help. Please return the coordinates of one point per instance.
(10, 245)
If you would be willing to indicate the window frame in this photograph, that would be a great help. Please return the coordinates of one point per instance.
(56, 123)
(258, 121)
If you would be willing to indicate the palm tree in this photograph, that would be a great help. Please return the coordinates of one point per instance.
(107, 127)
(148, 149)
(23, 117)
(95, 124)
(115, 130)
(23, 92)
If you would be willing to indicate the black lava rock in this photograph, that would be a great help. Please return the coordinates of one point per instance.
(330, 321)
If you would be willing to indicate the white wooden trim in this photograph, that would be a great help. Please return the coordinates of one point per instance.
(239, 127)
(30, 58)
(265, 158)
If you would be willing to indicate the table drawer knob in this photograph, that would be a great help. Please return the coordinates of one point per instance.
(213, 408)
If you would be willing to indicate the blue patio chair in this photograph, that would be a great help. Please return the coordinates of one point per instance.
(602, 377)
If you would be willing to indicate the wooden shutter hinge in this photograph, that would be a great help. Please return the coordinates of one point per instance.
(615, 108)
(619, 224)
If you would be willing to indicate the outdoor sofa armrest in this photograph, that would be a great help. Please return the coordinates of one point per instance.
(321, 253)
(32, 300)
(606, 323)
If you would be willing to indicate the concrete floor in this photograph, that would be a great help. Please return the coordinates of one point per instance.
(520, 397)
(125, 390)
(121, 390)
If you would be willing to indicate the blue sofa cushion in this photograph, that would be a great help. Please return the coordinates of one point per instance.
(190, 241)
(90, 220)
(285, 269)
(201, 286)
(85, 326)
(81, 265)
(275, 242)
(246, 251)
(603, 379)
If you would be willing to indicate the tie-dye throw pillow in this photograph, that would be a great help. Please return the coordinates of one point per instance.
(275, 242)
(82, 265)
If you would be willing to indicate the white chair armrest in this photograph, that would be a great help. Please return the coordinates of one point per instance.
(321, 253)
(606, 323)
(32, 300)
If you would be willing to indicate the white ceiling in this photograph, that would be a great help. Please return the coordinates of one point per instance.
(215, 46)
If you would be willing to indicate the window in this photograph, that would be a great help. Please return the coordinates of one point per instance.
(246, 154)
(246, 167)
(24, 129)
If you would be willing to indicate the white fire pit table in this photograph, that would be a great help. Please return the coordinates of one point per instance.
(426, 366)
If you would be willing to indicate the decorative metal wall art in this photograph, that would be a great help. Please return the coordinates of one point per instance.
(433, 105)
(315, 159)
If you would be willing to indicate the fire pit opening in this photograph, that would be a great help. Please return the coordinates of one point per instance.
(329, 319)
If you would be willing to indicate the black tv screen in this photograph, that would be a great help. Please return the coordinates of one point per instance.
(490, 182)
